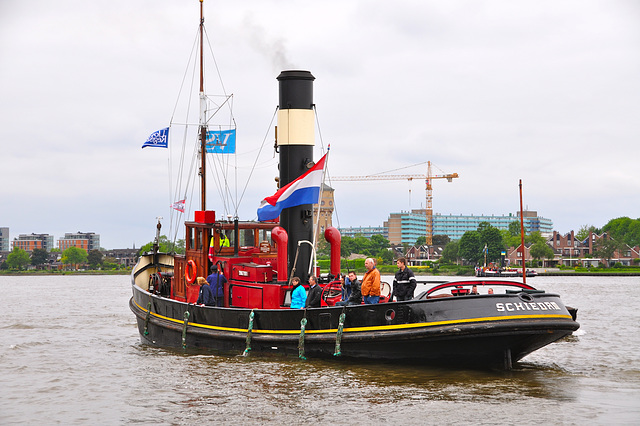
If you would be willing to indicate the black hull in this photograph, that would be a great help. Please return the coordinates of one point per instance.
(468, 331)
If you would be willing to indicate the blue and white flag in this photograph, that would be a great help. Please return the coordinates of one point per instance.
(303, 190)
(221, 141)
(159, 139)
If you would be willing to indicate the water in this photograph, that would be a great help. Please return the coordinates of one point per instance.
(70, 354)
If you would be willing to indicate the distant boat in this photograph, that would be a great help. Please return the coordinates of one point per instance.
(448, 324)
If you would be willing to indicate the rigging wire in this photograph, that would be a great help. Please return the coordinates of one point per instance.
(226, 195)
(335, 207)
(172, 123)
(258, 156)
(399, 168)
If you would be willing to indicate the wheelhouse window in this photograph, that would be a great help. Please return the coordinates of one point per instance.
(190, 239)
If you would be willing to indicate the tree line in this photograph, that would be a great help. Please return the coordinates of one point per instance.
(621, 232)
(19, 259)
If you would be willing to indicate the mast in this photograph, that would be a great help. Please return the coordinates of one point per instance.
(203, 119)
(524, 269)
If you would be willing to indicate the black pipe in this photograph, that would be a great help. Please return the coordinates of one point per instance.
(296, 139)
(236, 239)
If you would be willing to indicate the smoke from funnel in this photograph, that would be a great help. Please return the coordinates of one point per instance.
(273, 49)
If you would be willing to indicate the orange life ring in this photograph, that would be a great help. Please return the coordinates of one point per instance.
(191, 267)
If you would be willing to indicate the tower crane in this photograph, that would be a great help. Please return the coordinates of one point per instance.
(428, 178)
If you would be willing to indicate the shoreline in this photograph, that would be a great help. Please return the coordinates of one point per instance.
(555, 273)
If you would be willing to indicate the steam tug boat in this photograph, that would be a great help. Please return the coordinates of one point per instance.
(454, 326)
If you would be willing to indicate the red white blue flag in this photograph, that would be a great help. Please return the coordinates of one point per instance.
(178, 205)
(303, 190)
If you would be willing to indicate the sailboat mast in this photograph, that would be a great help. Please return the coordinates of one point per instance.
(203, 119)
(524, 267)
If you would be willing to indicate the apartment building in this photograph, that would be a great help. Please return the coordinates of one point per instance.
(85, 240)
(406, 227)
(5, 243)
(30, 242)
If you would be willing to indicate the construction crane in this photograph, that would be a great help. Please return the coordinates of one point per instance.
(428, 178)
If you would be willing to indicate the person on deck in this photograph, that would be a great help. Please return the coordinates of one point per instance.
(205, 297)
(346, 287)
(404, 283)
(298, 295)
(371, 283)
(315, 293)
(224, 241)
(217, 281)
(355, 298)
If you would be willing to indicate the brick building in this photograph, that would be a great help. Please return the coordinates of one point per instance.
(85, 240)
(30, 242)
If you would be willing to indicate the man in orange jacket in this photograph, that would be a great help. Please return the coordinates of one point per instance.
(371, 283)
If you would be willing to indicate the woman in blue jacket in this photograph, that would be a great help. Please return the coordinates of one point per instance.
(298, 295)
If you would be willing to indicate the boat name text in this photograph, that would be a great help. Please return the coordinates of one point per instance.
(526, 306)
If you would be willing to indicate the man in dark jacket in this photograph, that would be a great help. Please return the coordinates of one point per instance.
(355, 298)
(404, 283)
(315, 293)
(217, 281)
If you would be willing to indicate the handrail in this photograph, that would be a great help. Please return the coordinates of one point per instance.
(478, 282)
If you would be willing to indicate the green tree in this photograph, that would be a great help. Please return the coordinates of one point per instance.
(470, 247)
(624, 229)
(584, 230)
(541, 250)
(166, 246)
(483, 225)
(386, 256)
(491, 237)
(18, 259)
(74, 256)
(535, 238)
(346, 246)
(421, 240)
(441, 240)
(606, 248)
(450, 252)
(378, 244)
(509, 240)
(94, 258)
(514, 228)
(39, 257)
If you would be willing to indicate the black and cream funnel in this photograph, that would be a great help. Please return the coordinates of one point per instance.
(295, 140)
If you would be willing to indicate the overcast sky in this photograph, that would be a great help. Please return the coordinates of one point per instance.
(496, 91)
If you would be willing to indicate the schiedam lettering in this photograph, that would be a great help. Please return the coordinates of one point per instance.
(527, 306)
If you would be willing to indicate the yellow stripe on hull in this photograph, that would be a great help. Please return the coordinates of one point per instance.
(360, 329)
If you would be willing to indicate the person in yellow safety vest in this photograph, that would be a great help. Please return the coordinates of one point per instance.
(224, 241)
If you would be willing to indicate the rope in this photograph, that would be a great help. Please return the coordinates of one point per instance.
(338, 351)
(146, 320)
(295, 261)
(184, 329)
(249, 331)
(303, 324)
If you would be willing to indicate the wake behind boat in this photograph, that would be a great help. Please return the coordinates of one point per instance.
(449, 324)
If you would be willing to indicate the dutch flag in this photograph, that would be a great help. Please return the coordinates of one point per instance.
(303, 190)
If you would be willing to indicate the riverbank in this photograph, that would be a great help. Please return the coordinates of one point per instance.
(54, 273)
(462, 271)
